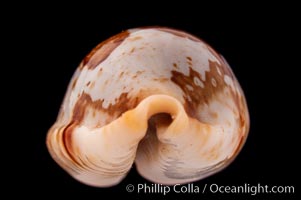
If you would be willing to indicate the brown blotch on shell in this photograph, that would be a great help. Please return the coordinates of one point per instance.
(121, 105)
(103, 50)
(193, 98)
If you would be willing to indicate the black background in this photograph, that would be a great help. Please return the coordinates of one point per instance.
(258, 46)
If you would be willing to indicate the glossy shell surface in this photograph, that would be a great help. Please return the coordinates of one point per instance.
(157, 97)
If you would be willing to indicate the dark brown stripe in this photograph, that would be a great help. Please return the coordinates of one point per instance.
(67, 141)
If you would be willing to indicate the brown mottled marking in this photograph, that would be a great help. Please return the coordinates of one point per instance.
(193, 98)
(135, 38)
(103, 50)
(99, 72)
(74, 83)
(214, 115)
(175, 65)
(161, 79)
(226, 69)
(137, 74)
(132, 50)
(92, 85)
(189, 61)
(123, 103)
(121, 74)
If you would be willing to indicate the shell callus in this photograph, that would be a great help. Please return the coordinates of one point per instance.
(156, 97)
